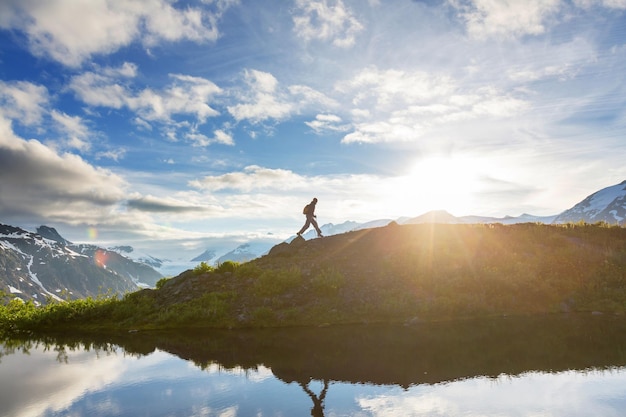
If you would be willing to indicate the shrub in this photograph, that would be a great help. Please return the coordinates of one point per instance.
(202, 268)
(327, 282)
(276, 282)
(160, 283)
(227, 266)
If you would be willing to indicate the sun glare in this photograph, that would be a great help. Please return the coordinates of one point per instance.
(441, 183)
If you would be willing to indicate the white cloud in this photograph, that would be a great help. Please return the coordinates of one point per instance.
(73, 126)
(70, 32)
(185, 96)
(100, 89)
(326, 20)
(262, 100)
(115, 155)
(403, 105)
(327, 123)
(611, 4)
(309, 96)
(512, 18)
(508, 18)
(252, 178)
(383, 89)
(23, 102)
(220, 136)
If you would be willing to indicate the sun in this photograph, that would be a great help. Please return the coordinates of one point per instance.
(449, 183)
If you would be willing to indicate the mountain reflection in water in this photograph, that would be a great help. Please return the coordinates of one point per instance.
(423, 353)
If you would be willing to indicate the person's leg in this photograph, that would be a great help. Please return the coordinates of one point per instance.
(317, 229)
(306, 225)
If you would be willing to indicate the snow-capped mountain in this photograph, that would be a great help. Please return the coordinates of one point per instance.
(36, 267)
(246, 252)
(608, 205)
(441, 216)
(142, 258)
(206, 256)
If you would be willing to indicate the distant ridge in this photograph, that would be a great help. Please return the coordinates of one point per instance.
(607, 205)
(52, 234)
(43, 265)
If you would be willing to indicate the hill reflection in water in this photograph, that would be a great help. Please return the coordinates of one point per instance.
(394, 354)
(321, 361)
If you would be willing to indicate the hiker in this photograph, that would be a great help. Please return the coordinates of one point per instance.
(309, 211)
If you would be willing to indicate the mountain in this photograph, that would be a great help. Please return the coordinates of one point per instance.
(129, 252)
(245, 252)
(38, 266)
(52, 234)
(436, 216)
(205, 256)
(330, 229)
(443, 217)
(607, 205)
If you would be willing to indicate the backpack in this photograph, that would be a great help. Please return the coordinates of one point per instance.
(305, 210)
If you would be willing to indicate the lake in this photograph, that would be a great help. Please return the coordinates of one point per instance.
(562, 365)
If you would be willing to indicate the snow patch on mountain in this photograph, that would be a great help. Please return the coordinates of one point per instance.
(608, 205)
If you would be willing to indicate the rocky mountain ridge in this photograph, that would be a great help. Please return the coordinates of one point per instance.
(43, 265)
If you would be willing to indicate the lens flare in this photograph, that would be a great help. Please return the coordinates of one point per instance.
(92, 233)
(100, 258)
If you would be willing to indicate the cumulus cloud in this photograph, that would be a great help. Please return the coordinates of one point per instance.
(74, 128)
(327, 123)
(326, 20)
(24, 102)
(70, 32)
(396, 106)
(308, 96)
(252, 178)
(220, 136)
(262, 99)
(509, 18)
(382, 89)
(185, 95)
(37, 181)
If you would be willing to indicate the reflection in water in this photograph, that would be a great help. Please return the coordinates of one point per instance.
(480, 367)
(318, 400)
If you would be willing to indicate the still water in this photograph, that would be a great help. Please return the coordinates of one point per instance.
(541, 366)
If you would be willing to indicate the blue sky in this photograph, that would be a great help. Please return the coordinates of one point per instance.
(171, 124)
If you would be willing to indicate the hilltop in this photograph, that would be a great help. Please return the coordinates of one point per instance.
(396, 273)
(410, 272)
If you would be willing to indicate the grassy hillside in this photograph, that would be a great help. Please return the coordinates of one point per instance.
(389, 274)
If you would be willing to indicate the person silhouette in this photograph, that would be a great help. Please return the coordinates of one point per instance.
(309, 212)
(318, 400)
